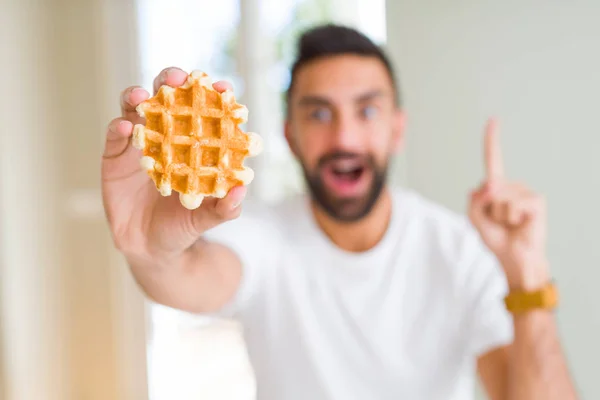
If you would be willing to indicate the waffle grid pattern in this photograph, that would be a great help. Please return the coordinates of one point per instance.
(192, 143)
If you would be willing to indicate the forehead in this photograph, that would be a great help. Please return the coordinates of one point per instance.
(342, 77)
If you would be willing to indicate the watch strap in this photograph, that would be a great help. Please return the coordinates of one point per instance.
(545, 298)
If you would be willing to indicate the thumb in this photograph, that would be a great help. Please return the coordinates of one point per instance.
(477, 208)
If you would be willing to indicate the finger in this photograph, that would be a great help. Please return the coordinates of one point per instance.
(528, 206)
(130, 99)
(228, 207)
(498, 211)
(492, 197)
(493, 155)
(515, 213)
(216, 211)
(222, 86)
(117, 137)
(478, 213)
(502, 191)
(506, 202)
(171, 76)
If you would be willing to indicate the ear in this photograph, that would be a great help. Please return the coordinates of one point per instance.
(398, 126)
(287, 129)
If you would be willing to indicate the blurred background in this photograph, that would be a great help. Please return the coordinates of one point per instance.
(74, 326)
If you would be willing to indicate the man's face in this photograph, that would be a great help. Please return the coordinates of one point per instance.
(343, 127)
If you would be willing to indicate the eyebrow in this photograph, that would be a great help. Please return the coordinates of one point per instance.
(369, 96)
(314, 100)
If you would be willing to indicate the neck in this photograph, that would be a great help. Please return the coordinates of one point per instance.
(361, 235)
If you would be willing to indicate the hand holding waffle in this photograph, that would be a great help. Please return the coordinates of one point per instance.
(186, 139)
(191, 140)
(511, 220)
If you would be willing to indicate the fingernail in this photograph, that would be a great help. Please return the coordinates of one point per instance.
(134, 91)
(169, 73)
(123, 125)
(239, 201)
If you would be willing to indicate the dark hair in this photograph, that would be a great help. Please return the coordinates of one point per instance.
(331, 40)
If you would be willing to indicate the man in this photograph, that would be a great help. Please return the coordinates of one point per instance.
(357, 291)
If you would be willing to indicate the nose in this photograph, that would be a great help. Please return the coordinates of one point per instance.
(346, 135)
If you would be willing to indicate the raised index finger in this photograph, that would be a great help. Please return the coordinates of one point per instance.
(493, 155)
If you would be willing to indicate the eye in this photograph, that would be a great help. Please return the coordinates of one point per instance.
(368, 112)
(321, 115)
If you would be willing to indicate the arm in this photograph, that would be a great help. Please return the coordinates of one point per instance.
(532, 367)
(512, 222)
(537, 367)
(202, 279)
(163, 242)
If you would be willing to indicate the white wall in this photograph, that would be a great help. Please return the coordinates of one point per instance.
(536, 65)
(72, 323)
(31, 312)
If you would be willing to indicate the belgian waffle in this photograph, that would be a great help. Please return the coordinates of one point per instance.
(192, 142)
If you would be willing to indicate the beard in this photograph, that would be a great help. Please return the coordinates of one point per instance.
(340, 208)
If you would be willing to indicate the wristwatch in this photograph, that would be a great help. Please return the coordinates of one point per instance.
(545, 298)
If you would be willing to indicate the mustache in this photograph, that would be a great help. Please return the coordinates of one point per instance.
(345, 155)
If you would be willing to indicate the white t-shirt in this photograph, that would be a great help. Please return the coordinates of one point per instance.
(405, 320)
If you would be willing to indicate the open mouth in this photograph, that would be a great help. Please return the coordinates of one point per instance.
(350, 174)
(346, 177)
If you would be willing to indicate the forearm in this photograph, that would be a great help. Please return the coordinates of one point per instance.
(200, 279)
(537, 367)
(155, 274)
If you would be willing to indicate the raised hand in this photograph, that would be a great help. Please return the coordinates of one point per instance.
(511, 220)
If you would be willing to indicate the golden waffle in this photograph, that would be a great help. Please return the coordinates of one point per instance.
(192, 142)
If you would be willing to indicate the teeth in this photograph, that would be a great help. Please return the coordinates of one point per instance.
(346, 166)
(342, 171)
